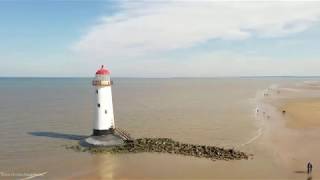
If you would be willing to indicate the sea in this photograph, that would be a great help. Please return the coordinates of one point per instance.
(40, 116)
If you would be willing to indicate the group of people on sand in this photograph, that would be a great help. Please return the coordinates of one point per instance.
(267, 92)
(257, 110)
(264, 113)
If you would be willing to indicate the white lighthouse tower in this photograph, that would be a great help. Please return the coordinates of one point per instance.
(104, 131)
(104, 119)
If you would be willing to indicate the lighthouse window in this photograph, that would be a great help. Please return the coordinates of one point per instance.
(98, 105)
(105, 111)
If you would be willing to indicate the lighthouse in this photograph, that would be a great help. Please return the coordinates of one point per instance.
(104, 131)
(103, 123)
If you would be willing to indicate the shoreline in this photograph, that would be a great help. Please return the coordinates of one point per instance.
(291, 116)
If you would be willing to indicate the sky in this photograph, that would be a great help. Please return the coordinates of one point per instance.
(159, 38)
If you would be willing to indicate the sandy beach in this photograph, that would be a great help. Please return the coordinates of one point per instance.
(302, 113)
(292, 121)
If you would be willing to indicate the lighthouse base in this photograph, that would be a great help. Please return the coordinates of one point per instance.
(105, 140)
(97, 132)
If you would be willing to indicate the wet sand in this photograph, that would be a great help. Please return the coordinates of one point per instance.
(302, 113)
(292, 122)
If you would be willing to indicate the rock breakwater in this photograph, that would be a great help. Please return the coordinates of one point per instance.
(166, 145)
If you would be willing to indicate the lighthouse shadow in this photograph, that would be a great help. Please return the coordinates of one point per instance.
(58, 135)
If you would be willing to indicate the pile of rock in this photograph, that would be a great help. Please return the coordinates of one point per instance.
(166, 145)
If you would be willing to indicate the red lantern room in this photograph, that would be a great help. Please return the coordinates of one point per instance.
(103, 71)
(102, 77)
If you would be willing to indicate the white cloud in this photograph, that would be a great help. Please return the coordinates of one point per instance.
(148, 28)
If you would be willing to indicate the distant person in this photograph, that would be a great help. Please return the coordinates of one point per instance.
(309, 168)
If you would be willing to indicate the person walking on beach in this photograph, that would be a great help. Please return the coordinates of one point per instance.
(309, 167)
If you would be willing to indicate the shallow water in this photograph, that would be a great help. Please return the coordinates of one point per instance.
(292, 139)
(39, 115)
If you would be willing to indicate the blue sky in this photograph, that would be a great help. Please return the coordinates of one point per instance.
(159, 39)
(36, 35)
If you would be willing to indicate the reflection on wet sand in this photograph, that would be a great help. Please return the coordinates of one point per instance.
(106, 165)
